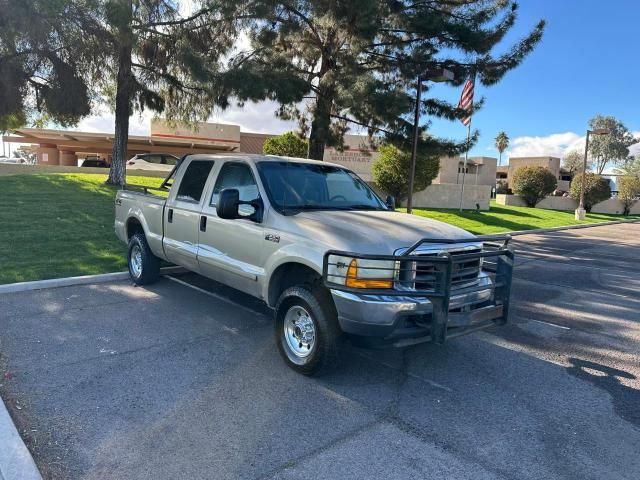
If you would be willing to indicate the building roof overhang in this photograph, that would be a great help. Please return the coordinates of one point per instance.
(103, 142)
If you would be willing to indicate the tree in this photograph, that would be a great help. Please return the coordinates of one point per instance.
(573, 162)
(288, 144)
(502, 143)
(628, 191)
(38, 76)
(631, 166)
(612, 147)
(29, 157)
(356, 62)
(533, 184)
(135, 54)
(596, 190)
(391, 170)
(502, 187)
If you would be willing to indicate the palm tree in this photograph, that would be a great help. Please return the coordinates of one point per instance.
(502, 143)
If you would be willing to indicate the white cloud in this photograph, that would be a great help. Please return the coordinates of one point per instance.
(255, 117)
(104, 122)
(635, 149)
(556, 145)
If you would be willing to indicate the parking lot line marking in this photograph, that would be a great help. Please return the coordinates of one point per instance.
(213, 295)
(551, 324)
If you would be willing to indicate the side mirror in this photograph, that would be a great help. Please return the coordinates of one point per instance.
(228, 202)
(230, 207)
(391, 202)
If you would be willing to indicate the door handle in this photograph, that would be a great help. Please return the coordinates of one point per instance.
(170, 215)
(203, 223)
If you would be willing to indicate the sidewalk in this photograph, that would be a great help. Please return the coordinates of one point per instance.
(15, 460)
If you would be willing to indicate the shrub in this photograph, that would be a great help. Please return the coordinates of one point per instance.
(287, 145)
(533, 184)
(628, 191)
(502, 187)
(596, 190)
(391, 171)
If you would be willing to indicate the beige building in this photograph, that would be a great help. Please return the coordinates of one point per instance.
(505, 173)
(60, 147)
(480, 171)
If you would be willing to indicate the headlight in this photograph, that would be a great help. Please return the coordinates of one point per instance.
(361, 273)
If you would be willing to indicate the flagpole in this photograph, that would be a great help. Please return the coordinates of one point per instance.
(464, 168)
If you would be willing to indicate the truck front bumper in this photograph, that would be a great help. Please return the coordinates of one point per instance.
(396, 317)
(390, 320)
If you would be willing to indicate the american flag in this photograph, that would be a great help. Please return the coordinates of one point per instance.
(466, 101)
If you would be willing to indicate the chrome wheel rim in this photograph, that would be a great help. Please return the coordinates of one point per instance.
(135, 261)
(299, 331)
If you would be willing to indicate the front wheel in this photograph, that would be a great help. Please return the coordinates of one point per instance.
(307, 331)
(144, 266)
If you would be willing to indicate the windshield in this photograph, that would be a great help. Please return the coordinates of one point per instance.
(293, 186)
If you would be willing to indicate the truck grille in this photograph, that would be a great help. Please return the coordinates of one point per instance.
(464, 273)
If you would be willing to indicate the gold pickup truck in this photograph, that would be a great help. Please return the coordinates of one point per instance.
(321, 248)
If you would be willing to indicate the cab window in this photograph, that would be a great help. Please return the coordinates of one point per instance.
(238, 176)
(193, 181)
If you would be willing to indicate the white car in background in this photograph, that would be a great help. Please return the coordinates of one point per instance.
(13, 161)
(162, 162)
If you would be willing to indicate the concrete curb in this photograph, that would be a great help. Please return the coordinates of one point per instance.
(71, 281)
(16, 462)
(568, 227)
(112, 277)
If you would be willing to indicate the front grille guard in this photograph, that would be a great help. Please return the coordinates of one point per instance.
(496, 260)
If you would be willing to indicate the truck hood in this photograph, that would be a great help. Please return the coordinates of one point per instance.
(381, 232)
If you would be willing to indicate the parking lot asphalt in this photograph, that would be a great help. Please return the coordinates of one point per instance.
(113, 381)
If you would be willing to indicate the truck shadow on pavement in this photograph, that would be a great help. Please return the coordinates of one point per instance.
(626, 400)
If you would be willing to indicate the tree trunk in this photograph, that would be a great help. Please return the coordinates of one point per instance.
(320, 125)
(117, 172)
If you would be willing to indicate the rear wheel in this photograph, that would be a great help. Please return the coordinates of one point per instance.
(144, 266)
(307, 331)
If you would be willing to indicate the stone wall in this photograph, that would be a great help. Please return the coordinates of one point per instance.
(447, 195)
(558, 203)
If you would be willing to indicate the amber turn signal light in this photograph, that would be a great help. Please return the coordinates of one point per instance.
(354, 282)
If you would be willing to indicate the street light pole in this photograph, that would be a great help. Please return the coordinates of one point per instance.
(580, 212)
(439, 75)
(414, 147)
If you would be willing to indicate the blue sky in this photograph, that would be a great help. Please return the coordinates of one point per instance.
(587, 63)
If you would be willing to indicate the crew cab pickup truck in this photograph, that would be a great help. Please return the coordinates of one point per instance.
(321, 248)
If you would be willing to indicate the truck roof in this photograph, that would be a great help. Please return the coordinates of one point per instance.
(254, 158)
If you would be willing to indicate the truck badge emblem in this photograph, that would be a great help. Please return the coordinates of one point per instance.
(272, 237)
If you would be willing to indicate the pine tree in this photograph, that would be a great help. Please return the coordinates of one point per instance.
(133, 54)
(357, 62)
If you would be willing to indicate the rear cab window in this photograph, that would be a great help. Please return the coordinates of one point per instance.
(194, 180)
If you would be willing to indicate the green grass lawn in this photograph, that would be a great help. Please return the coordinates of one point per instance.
(59, 225)
(503, 218)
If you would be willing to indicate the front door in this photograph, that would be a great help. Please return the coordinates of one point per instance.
(182, 215)
(230, 250)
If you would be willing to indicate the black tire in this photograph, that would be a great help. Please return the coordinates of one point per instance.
(149, 270)
(324, 356)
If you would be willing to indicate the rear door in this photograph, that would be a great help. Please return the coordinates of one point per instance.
(182, 213)
(232, 251)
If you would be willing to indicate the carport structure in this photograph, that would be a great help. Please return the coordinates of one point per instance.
(62, 147)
